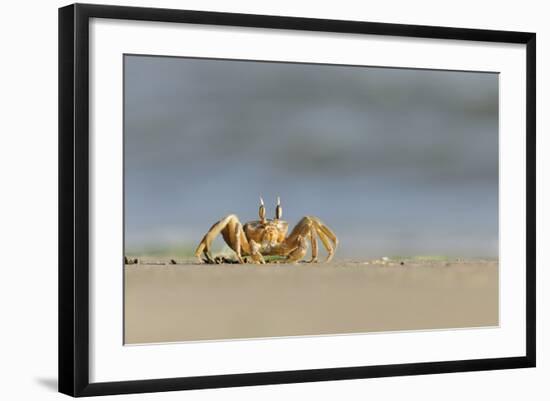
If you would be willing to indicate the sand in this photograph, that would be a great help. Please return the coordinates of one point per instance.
(191, 302)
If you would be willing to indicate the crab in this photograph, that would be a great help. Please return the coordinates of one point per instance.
(268, 237)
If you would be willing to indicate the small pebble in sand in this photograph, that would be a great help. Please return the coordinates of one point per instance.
(131, 261)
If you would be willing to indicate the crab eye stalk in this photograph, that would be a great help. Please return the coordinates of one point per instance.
(261, 212)
(278, 209)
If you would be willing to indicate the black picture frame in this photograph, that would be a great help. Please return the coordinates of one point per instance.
(74, 192)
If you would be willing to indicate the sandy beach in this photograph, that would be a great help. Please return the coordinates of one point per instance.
(191, 302)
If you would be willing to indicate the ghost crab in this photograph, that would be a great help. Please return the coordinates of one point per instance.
(268, 237)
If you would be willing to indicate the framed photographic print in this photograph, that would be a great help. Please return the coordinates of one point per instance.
(250, 199)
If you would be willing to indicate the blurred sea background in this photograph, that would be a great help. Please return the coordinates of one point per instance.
(395, 161)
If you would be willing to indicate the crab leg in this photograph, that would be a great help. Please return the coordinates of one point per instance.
(328, 246)
(322, 227)
(328, 238)
(299, 251)
(313, 239)
(238, 238)
(312, 227)
(231, 230)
